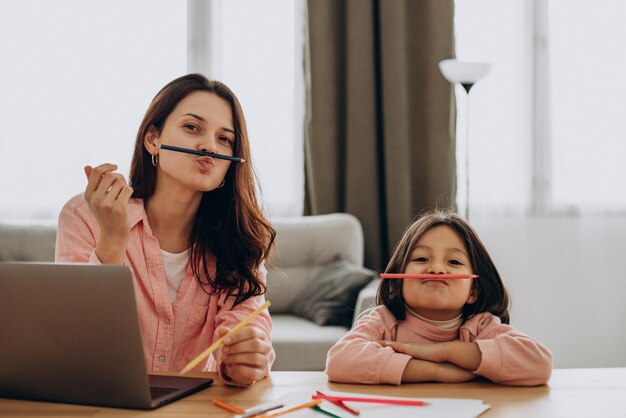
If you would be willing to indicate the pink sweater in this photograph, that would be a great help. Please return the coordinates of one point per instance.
(173, 333)
(508, 357)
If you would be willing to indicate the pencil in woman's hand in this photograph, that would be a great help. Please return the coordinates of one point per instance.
(202, 153)
(193, 363)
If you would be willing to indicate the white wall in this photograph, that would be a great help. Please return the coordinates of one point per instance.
(567, 281)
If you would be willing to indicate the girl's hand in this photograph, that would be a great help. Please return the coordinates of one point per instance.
(451, 373)
(435, 352)
(428, 371)
(107, 195)
(246, 354)
(463, 354)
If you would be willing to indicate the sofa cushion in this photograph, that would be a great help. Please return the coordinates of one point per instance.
(27, 242)
(331, 295)
(300, 344)
(303, 246)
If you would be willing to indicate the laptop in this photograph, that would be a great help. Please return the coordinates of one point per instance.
(70, 333)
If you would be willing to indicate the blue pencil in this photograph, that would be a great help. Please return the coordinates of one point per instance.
(202, 153)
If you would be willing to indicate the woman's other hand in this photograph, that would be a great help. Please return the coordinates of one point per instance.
(107, 195)
(245, 354)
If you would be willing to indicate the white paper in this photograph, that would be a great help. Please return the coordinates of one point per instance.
(438, 407)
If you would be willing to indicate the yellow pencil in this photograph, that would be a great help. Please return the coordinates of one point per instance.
(292, 409)
(193, 363)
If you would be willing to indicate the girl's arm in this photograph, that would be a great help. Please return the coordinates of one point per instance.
(508, 356)
(428, 371)
(466, 355)
(359, 358)
(488, 348)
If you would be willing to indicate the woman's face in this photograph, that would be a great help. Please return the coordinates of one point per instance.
(202, 121)
(439, 250)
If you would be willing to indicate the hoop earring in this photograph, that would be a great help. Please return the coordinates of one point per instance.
(222, 184)
(155, 159)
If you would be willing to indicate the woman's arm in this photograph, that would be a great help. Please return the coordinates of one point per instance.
(247, 355)
(107, 195)
(93, 228)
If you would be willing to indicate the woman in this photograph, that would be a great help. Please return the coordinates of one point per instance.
(189, 227)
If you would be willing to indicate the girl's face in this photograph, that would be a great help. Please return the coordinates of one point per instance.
(439, 250)
(201, 121)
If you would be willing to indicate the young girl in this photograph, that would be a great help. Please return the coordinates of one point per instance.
(190, 229)
(442, 330)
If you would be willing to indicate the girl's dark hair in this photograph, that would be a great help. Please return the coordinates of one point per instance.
(229, 223)
(491, 294)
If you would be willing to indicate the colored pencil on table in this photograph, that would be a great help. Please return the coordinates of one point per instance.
(193, 363)
(406, 402)
(202, 153)
(258, 410)
(325, 412)
(228, 407)
(292, 409)
(342, 405)
(427, 276)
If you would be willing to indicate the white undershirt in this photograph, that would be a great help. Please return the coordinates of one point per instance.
(175, 266)
(447, 324)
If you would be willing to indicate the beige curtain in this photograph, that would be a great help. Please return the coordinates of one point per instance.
(379, 140)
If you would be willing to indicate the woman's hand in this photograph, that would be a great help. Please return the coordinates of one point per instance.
(107, 195)
(246, 354)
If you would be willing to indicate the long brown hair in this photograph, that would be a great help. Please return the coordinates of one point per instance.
(492, 296)
(229, 223)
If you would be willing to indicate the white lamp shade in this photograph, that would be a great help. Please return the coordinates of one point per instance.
(463, 72)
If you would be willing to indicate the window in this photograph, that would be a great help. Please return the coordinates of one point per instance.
(546, 131)
(78, 76)
(260, 58)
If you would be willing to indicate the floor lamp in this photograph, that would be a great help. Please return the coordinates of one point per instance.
(466, 74)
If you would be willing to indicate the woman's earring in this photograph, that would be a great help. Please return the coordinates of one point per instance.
(222, 184)
(155, 159)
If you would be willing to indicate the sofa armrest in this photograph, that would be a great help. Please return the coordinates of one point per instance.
(366, 299)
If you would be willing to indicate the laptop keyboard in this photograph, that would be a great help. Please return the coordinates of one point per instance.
(157, 392)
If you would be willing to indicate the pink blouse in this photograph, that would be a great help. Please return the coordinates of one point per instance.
(173, 333)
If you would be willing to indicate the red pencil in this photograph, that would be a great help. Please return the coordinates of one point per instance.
(340, 404)
(426, 276)
(370, 400)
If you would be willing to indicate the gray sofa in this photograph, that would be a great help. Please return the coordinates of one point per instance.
(304, 245)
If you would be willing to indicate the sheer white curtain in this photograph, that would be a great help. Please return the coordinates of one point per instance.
(548, 162)
(546, 124)
(588, 92)
(260, 58)
(76, 78)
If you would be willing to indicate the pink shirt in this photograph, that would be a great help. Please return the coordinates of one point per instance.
(508, 357)
(173, 333)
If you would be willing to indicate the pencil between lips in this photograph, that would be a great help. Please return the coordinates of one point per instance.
(202, 153)
(427, 276)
